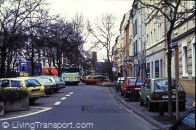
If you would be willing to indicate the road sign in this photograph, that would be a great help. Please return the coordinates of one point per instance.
(114, 69)
(21, 74)
(174, 43)
(1, 108)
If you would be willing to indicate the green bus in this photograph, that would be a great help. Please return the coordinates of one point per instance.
(70, 74)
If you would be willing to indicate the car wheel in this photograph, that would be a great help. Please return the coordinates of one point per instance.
(126, 95)
(149, 105)
(141, 102)
(56, 91)
(182, 107)
(32, 101)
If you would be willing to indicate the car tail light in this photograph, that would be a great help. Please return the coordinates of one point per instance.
(181, 95)
(156, 96)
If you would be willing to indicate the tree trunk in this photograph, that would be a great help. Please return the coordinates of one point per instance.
(3, 59)
(169, 57)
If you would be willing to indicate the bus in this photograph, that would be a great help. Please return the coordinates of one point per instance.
(70, 74)
(24, 68)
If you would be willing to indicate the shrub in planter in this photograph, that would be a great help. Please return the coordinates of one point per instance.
(15, 99)
(2, 96)
(12, 95)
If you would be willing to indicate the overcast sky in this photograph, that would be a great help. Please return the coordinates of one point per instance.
(91, 9)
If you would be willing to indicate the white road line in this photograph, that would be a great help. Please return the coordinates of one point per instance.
(57, 103)
(63, 98)
(71, 93)
(67, 95)
(30, 114)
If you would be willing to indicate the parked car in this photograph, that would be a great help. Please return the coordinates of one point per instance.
(155, 91)
(47, 82)
(119, 82)
(58, 82)
(32, 85)
(186, 121)
(94, 79)
(131, 87)
(82, 79)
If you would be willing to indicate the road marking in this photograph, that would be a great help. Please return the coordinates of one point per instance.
(71, 93)
(29, 114)
(63, 98)
(67, 95)
(57, 103)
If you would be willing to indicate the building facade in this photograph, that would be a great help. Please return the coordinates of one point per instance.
(148, 45)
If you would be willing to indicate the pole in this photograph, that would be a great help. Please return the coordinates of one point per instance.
(176, 79)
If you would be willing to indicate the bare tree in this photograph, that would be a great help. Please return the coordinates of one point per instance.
(79, 26)
(103, 33)
(12, 16)
(169, 10)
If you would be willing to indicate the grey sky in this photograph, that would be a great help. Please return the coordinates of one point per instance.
(91, 9)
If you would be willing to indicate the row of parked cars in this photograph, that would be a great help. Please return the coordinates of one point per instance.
(150, 92)
(37, 86)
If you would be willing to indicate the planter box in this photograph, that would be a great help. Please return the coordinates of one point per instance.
(19, 105)
(1, 108)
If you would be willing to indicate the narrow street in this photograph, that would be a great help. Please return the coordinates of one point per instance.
(79, 107)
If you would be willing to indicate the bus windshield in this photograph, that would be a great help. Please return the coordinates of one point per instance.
(70, 70)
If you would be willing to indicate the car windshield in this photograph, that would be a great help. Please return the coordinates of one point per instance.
(70, 70)
(32, 83)
(57, 79)
(45, 80)
(133, 80)
(162, 84)
(120, 79)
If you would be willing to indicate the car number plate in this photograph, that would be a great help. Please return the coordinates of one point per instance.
(166, 96)
(35, 91)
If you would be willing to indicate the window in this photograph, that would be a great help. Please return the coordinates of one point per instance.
(136, 26)
(184, 61)
(160, 33)
(5, 83)
(148, 70)
(155, 38)
(147, 39)
(193, 58)
(32, 83)
(151, 38)
(16, 84)
(135, 48)
(161, 68)
(157, 68)
(152, 67)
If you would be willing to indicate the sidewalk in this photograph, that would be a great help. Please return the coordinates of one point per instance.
(153, 118)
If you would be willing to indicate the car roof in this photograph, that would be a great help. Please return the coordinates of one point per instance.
(133, 77)
(19, 78)
(156, 78)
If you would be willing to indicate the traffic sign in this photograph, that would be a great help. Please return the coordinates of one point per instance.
(114, 69)
(21, 74)
(174, 43)
(1, 109)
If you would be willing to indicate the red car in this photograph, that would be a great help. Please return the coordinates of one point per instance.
(130, 88)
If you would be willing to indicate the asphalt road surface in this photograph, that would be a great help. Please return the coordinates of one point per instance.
(83, 107)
